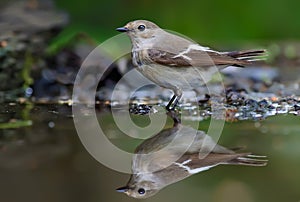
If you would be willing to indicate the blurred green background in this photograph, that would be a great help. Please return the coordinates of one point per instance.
(208, 22)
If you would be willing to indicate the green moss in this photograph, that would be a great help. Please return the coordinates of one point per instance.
(26, 70)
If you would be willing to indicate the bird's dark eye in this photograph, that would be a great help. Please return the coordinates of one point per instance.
(141, 191)
(141, 27)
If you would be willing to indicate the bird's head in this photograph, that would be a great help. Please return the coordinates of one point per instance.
(139, 189)
(140, 31)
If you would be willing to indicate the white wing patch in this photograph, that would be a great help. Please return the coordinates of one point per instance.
(193, 47)
(184, 56)
(193, 171)
(198, 47)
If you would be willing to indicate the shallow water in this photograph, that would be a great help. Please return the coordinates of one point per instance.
(42, 159)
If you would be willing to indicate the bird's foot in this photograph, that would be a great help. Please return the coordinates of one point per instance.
(172, 103)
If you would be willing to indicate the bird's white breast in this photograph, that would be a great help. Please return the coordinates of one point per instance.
(177, 77)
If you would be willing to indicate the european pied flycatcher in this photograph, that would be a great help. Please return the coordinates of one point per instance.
(178, 63)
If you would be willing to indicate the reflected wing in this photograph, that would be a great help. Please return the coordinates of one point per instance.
(193, 164)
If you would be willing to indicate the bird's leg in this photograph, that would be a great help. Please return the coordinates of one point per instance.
(168, 107)
(175, 103)
(174, 100)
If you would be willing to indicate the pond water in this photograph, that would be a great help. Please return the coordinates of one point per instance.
(42, 159)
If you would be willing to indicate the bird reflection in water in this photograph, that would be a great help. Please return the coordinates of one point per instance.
(175, 154)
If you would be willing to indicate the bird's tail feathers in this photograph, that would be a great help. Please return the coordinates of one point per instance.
(249, 160)
(249, 55)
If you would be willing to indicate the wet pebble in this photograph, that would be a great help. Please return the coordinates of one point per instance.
(204, 100)
(263, 103)
(140, 109)
(297, 107)
(235, 98)
(253, 104)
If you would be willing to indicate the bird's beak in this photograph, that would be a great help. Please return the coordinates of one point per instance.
(122, 29)
(122, 189)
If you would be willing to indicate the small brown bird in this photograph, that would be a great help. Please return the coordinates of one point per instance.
(175, 154)
(178, 63)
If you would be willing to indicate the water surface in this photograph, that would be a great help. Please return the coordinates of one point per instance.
(45, 160)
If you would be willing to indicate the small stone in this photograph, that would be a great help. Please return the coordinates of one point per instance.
(263, 103)
(297, 107)
(252, 103)
(140, 109)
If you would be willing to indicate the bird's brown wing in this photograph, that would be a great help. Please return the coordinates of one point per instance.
(196, 58)
(193, 161)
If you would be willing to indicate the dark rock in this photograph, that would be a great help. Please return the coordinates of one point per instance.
(140, 109)
(297, 107)
(234, 98)
(263, 103)
(252, 103)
